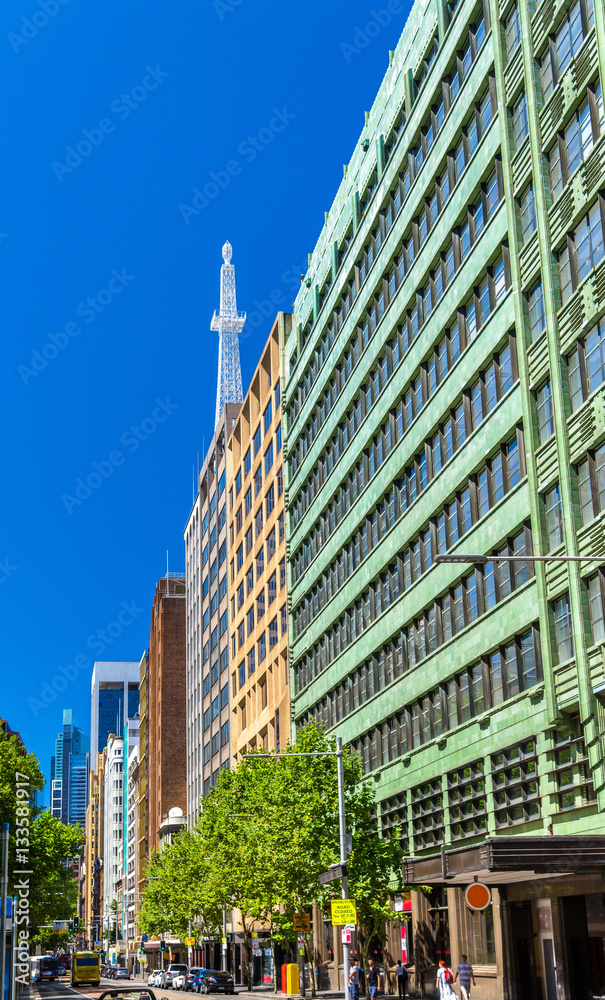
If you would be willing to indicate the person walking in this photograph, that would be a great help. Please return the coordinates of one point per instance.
(354, 981)
(445, 982)
(465, 971)
(402, 979)
(373, 979)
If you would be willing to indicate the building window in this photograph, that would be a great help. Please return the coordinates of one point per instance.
(512, 33)
(258, 481)
(249, 541)
(248, 501)
(282, 527)
(257, 440)
(258, 522)
(268, 416)
(240, 557)
(584, 250)
(269, 501)
(575, 144)
(250, 620)
(273, 633)
(520, 120)
(563, 628)
(282, 574)
(277, 395)
(537, 315)
(284, 620)
(586, 366)
(278, 439)
(260, 605)
(554, 517)
(268, 458)
(260, 563)
(272, 588)
(546, 424)
(568, 40)
(595, 604)
(280, 482)
(515, 782)
(262, 648)
(271, 544)
(527, 207)
(238, 482)
(591, 485)
(251, 662)
(247, 462)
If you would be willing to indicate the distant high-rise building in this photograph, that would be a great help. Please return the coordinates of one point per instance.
(69, 773)
(114, 697)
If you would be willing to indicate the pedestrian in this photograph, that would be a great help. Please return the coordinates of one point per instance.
(373, 979)
(402, 978)
(354, 981)
(445, 982)
(465, 971)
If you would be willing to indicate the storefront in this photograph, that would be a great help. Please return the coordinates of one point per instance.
(542, 937)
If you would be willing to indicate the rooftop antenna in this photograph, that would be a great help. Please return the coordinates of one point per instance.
(229, 323)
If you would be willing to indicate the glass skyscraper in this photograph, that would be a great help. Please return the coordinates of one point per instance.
(69, 771)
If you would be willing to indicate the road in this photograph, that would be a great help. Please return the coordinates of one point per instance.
(61, 990)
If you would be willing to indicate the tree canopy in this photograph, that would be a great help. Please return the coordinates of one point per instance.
(266, 832)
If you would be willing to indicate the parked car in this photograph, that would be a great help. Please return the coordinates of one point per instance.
(61, 969)
(121, 973)
(214, 981)
(191, 976)
(174, 969)
(178, 981)
(151, 978)
(157, 977)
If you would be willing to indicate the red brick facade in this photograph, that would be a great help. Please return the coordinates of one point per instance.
(166, 699)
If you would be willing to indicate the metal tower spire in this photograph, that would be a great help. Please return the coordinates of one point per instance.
(229, 323)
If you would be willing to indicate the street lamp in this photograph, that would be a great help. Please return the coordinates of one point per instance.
(481, 560)
(338, 753)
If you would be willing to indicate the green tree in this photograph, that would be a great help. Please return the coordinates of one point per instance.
(177, 890)
(47, 850)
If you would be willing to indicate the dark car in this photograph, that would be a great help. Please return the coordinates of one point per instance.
(121, 973)
(213, 981)
(191, 976)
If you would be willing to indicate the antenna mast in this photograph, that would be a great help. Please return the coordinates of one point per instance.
(228, 323)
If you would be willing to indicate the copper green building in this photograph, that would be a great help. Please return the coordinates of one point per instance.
(445, 394)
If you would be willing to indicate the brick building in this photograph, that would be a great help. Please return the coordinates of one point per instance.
(166, 739)
(260, 704)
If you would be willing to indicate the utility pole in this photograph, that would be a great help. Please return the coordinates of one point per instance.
(4, 893)
(346, 964)
(224, 941)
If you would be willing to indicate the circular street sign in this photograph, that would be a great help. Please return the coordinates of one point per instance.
(477, 896)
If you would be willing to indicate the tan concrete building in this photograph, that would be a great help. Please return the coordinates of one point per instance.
(260, 703)
(93, 863)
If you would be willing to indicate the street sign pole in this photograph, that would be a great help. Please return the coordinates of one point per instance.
(343, 852)
(4, 893)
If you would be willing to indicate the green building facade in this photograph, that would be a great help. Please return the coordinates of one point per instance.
(445, 394)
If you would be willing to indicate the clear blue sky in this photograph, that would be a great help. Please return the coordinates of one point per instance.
(167, 94)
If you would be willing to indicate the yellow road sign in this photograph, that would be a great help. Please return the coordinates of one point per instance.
(344, 911)
(189, 942)
(301, 924)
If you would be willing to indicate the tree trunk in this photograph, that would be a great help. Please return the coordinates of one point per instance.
(311, 958)
(247, 953)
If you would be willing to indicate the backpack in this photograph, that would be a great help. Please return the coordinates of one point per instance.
(449, 977)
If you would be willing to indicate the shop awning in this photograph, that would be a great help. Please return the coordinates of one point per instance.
(501, 860)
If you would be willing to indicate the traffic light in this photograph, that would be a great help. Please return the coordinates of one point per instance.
(162, 945)
(71, 926)
(76, 922)
(102, 954)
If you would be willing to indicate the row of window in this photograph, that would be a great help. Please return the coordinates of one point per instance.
(265, 424)
(238, 638)
(484, 489)
(241, 513)
(237, 602)
(219, 739)
(450, 435)
(453, 611)
(449, 90)
(501, 674)
(274, 538)
(573, 145)
(470, 318)
(420, 308)
(583, 250)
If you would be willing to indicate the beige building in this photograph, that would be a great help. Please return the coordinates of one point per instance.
(260, 704)
(93, 893)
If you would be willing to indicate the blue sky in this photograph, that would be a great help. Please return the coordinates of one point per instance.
(113, 115)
